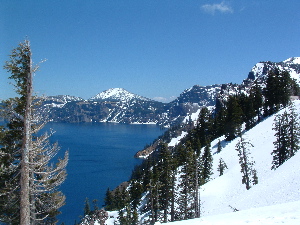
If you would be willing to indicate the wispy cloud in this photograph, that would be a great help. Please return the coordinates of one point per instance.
(222, 7)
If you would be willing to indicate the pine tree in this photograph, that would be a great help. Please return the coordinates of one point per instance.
(206, 165)
(233, 119)
(219, 122)
(286, 126)
(221, 167)
(108, 200)
(186, 205)
(32, 183)
(247, 105)
(254, 178)
(271, 93)
(246, 163)
(281, 151)
(87, 207)
(219, 149)
(135, 193)
(294, 131)
(257, 99)
(203, 126)
(279, 88)
(165, 178)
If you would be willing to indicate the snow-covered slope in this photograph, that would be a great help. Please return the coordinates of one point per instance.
(276, 197)
(287, 213)
(117, 94)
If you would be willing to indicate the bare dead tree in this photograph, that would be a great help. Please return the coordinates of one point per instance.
(39, 198)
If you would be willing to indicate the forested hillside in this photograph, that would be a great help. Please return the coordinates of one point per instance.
(231, 150)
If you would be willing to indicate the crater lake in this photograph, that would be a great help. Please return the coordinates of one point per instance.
(101, 155)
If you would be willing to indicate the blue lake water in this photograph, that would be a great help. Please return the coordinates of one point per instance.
(100, 156)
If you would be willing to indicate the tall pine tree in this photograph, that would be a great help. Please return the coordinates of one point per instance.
(33, 182)
(287, 133)
(247, 164)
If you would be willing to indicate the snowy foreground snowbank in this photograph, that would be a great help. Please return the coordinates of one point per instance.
(287, 213)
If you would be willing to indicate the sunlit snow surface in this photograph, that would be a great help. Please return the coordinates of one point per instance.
(276, 197)
(287, 213)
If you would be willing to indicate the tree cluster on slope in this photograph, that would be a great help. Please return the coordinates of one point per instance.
(286, 126)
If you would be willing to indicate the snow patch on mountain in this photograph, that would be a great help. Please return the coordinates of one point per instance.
(59, 101)
(117, 94)
(292, 60)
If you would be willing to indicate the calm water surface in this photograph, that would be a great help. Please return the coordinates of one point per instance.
(100, 156)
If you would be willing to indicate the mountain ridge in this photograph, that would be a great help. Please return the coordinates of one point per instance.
(121, 106)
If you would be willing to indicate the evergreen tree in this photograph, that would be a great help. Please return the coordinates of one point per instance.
(221, 167)
(246, 103)
(281, 151)
(206, 165)
(219, 123)
(271, 93)
(31, 182)
(257, 99)
(219, 149)
(165, 178)
(233, 119)
(286, 126)
(186, 207)
(203, 126)
(254, 177)
(279, 88)
(294, 131)
(87, 208)
(135, 193)
(108, 200)
(246, 163)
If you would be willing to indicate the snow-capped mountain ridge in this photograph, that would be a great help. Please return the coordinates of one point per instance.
(261, 69)
(117, 94)
(121, 106)
(64, 98)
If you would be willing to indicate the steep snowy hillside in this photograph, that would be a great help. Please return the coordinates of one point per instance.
(276, 197)
(117, 94)
(280, 186)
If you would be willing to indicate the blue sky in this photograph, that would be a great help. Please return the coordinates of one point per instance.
(153, 48)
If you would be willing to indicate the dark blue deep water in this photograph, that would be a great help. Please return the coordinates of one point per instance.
(100, 156)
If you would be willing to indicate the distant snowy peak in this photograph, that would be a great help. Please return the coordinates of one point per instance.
(261, 69)
(117, 94)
